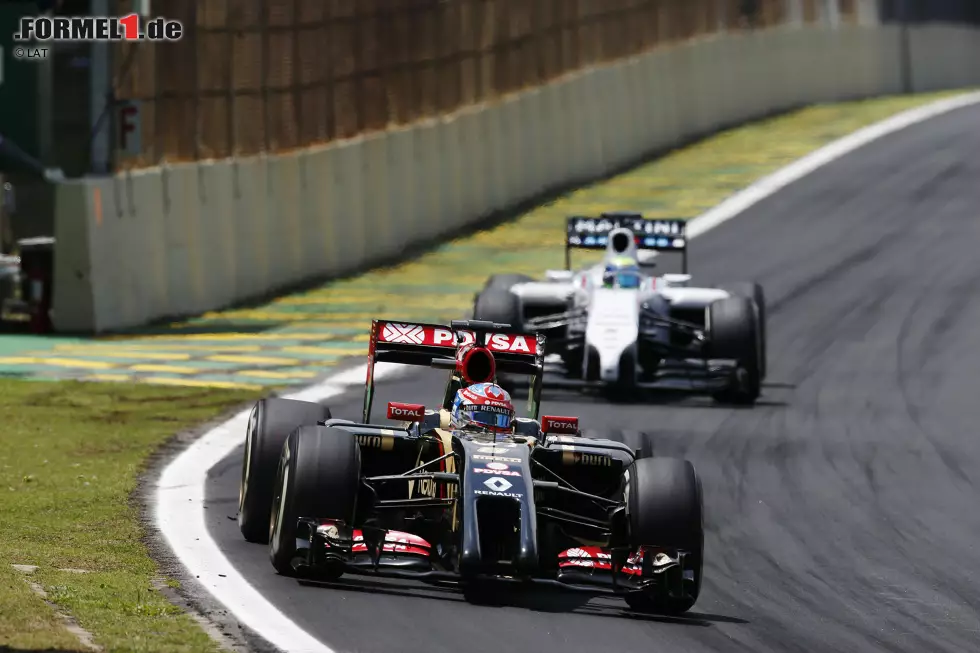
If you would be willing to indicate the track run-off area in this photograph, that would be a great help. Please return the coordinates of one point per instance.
(840, 511)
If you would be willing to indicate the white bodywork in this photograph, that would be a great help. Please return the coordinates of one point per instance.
(613, 322)
(613, 327)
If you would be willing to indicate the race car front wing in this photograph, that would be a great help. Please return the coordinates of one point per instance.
(326, 549)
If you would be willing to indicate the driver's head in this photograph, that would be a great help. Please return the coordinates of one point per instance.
(621, 272)
(484, 407)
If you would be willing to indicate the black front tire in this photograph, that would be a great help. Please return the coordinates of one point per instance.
(666, 508)
(319, 477)
(734, 334)
(500, 305)
(505, 281)
(754, 292)
(496, 303)
(271, 422)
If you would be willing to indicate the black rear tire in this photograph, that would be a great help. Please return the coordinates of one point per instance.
(271, 422)
(754, 292)
(666, 508)
(733, 334)
(318, 477)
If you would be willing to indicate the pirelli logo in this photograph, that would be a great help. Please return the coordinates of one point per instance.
(590, 459)
(382, 442)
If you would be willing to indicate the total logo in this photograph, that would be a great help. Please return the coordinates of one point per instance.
(497, 471)
(405, 411)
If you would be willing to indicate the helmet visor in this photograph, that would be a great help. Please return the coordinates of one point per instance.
(487, 418)
(628, 280)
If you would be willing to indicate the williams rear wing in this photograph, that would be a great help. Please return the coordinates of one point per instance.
(435, 345)
(648, 234)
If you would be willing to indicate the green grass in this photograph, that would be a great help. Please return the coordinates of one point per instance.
(71, 456)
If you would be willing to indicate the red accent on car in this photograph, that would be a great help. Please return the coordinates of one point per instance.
(476, 364)
(395, 542)
(427, 335)
(407, 412)
(596, 558)
(551, 424)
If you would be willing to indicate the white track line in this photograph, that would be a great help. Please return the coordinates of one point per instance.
(181, 487)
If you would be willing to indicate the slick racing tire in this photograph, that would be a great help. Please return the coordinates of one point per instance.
(498, 304)
(506, 281)
(733, 334)
(318, 477)
(271, 422)
(754, 292)
(666, 508)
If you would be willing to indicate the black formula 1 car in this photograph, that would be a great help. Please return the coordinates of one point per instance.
(540, 505)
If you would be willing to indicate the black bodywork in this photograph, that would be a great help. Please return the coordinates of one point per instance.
(437, 504)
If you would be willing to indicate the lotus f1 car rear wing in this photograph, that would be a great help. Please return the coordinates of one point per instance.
(648, 234)
(456, 348)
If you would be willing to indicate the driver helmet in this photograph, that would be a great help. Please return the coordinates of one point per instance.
(621, 272)
(484, 407)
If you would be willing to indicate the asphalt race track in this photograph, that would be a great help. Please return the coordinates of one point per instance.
(842, 512)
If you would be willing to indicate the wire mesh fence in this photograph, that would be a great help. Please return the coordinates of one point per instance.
(255, 76)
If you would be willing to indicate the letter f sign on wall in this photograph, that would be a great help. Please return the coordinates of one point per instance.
(130, 128)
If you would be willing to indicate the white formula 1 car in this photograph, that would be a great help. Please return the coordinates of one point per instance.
(648, 332)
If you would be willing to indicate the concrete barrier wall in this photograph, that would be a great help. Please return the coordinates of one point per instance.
(186, 239)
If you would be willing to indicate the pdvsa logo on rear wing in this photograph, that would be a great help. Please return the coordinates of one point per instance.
(425, 335)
